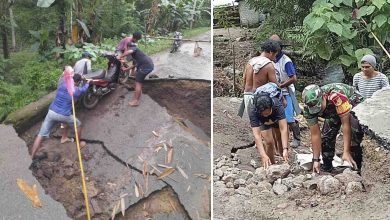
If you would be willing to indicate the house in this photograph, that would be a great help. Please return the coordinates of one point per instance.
(249, 17)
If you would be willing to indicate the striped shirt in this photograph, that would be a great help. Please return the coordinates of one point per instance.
(367, 87)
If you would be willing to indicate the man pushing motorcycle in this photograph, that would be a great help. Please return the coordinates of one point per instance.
(144, 66)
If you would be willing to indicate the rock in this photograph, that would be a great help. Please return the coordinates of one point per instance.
(236, 170)
(313, 204)
(282, 206)
(279, 189)
(288, 182)
(224, 169)
(278, 171)
(243, 191)
(353, 187)
(328, 184)
(69, 173)
(251, 180)
(234, 162)
(220, 164)
(246, 174)
(219, 173)
(229, 185)
(308, 176)
(264, 186)
(253, 163)
(298, 180)
(218, 159)
(348, 176)
(310, 184)
(219, 184)
(96, 207)
(230, 178)
(260, 174)
(67, 163)
(239, 183)
(228, 71)
(171, 76)
(251, 186)
(216, 178)
(92, 189)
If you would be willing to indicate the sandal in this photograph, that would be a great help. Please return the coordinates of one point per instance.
(67, 140)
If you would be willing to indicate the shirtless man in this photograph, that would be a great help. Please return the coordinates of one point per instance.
(259, 71)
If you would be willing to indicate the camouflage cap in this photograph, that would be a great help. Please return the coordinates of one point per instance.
(312, 97)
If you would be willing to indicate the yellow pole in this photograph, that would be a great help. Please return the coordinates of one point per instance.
(80, 160)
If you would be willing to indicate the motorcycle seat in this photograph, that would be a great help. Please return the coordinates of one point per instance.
(98, 74)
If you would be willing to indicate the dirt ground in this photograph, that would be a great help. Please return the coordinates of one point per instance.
(230, 131)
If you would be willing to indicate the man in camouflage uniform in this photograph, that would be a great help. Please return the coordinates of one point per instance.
(334, 103)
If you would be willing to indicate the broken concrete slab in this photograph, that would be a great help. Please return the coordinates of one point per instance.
(14, 163)
(132, 134)
(373, 114)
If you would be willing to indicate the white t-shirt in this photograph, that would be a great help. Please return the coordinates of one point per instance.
(79, 67)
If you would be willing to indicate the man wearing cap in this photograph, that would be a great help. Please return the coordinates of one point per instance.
(286, 74)
(83, 66)
(258, 71)
(369, 80)
(334, 103)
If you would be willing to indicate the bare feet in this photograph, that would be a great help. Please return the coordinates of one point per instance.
(66, 140)
(134, 103)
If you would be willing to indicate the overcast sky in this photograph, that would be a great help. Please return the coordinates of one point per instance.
(222, 2)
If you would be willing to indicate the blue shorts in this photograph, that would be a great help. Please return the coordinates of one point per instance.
(52, 118)
(289, 110)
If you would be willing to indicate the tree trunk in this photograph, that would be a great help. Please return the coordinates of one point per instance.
(192, 16)
(5, 42)
(11, 17)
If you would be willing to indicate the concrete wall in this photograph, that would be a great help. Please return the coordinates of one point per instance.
(249, 17)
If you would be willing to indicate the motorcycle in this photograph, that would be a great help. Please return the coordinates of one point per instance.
(103, 81)
(176, 41)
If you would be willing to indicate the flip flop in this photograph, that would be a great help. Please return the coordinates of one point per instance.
(67, 140)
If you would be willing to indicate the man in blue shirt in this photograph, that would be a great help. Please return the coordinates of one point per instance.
(286, 74)
(60, 111)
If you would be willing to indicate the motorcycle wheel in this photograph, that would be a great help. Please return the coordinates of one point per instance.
(90, 99)
(123, 77)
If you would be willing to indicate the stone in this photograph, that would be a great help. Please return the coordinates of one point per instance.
(246, 174)
(348, 176)
(153, 76)
(220, 164)
(328, 184)
(229, 185)
(219, 184)
(236, 170)
(96, 207)
(282, 206)
(278, 171)
(243, 191)
(353, 187)
(260, 174)
(216, 178)
(69, 173)
(264, 186)
(219, 173)
(224, 169)
(279, 189)
(234, 162)
(67, 162)
(253, 163)
(298, 180)
(288, 182)
(310, 184)
(252, 180)
(239, 183)
(92, 189)
(230, 178)
(251, 186)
